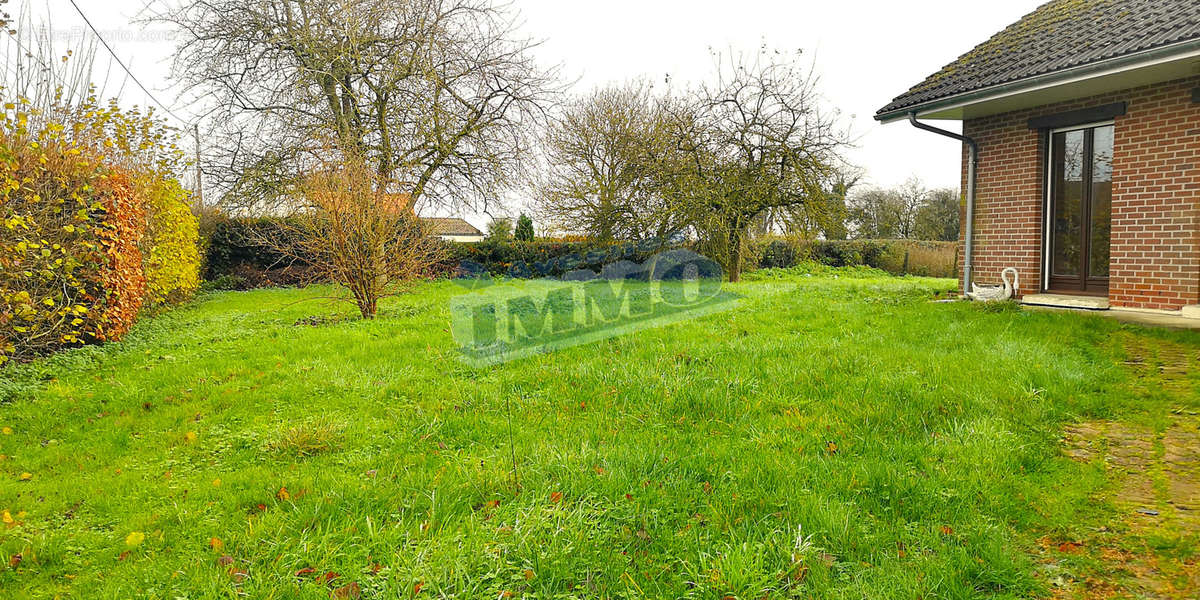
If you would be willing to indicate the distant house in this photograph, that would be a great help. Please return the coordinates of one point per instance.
(1082, 123)
(454, 229)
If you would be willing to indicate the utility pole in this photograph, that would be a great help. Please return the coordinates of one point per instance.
(199, 180)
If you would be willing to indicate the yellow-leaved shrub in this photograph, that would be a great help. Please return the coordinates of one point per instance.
(93, 225)
(171, 246)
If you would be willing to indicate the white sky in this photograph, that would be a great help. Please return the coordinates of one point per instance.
(867, 52)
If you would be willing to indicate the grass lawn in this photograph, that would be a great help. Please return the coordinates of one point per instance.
(830, 438)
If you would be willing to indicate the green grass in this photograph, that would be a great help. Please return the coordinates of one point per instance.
(830, 438)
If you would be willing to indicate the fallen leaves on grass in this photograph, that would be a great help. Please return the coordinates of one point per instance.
(555, 497)
(135, 538)
(347, 591)
(490, 505)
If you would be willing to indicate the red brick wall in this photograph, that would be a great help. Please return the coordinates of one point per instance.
(1155, 256)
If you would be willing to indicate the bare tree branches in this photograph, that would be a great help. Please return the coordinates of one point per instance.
(909, 211)
(47, 78)
(352, 233)
(438, 96)
(758, 141)
(604, 172)
(752, 148)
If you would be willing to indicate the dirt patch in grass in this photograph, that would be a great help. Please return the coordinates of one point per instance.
(1150, 550)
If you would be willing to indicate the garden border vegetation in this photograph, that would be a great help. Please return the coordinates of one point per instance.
(94, 228)
(237, 259)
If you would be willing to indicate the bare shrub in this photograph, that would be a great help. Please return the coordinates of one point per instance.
(354, 233)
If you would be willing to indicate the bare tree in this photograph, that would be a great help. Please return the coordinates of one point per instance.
(911, 196)
(907, 211)
(352, 233)
(875, 213)
(940, 217)
(828, 220)
(756, 140)
(603, 175)
(437, 96)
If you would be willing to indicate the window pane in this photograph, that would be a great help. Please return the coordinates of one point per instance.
(1101, 208)
(1067, 182)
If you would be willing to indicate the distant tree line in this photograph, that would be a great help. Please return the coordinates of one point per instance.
(908, 211)
(753, 149)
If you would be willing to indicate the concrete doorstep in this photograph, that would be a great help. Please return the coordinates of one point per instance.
(1186, 318)
(1066, 301)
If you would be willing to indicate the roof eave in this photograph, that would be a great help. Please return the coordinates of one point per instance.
(1115, 65)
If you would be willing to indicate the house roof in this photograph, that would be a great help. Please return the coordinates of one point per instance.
(1059, 35)
(451, 226)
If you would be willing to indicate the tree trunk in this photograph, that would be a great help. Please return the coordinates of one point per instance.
(367, 303)
(735, 254)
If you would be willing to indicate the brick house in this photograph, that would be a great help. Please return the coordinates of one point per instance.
(1082, 123)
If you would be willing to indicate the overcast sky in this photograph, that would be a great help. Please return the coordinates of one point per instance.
(866, 53)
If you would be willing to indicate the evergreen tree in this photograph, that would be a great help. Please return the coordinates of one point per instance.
(524, 231)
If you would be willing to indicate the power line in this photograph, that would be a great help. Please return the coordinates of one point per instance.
(195, 126)
(122, 64)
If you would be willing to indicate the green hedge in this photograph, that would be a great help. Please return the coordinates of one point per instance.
(237, 260)
(899, 257)
(524, 260)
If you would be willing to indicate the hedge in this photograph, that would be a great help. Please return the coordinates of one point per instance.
(70, 268)
(85, 244)
(237, 259)
(533, 259)
(172, 258)
(899, 257)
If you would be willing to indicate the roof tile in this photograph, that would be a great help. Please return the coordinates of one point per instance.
(1059, 35)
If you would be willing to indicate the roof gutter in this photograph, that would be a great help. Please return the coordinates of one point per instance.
(1044, 80)
(972, 163)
